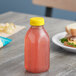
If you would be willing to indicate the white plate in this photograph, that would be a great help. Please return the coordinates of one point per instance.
(56, 40)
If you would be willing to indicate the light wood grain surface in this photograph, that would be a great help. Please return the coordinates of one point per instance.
(62, 63)
(61, 4)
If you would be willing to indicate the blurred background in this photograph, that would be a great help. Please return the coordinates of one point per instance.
(26, 6)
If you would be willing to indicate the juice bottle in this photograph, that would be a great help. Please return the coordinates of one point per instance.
(37, 47)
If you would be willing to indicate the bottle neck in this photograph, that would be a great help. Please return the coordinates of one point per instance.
(38, 27)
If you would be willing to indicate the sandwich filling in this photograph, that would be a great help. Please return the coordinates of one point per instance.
(69, 41)
(70, 38)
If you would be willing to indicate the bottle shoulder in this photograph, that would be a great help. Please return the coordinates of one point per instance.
(37, 33)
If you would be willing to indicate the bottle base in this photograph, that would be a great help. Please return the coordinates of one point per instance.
(37, 71)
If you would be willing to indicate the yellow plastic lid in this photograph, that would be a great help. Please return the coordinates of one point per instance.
(37, 21)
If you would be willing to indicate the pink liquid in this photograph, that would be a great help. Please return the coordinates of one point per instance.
(37, 50)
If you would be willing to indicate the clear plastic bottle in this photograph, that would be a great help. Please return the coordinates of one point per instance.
(37, 47)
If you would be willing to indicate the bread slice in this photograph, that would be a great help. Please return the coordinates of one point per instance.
(71, 29)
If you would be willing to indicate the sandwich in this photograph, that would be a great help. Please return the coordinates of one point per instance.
(70, 38)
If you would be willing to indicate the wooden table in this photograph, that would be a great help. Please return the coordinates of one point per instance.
(62, 63)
